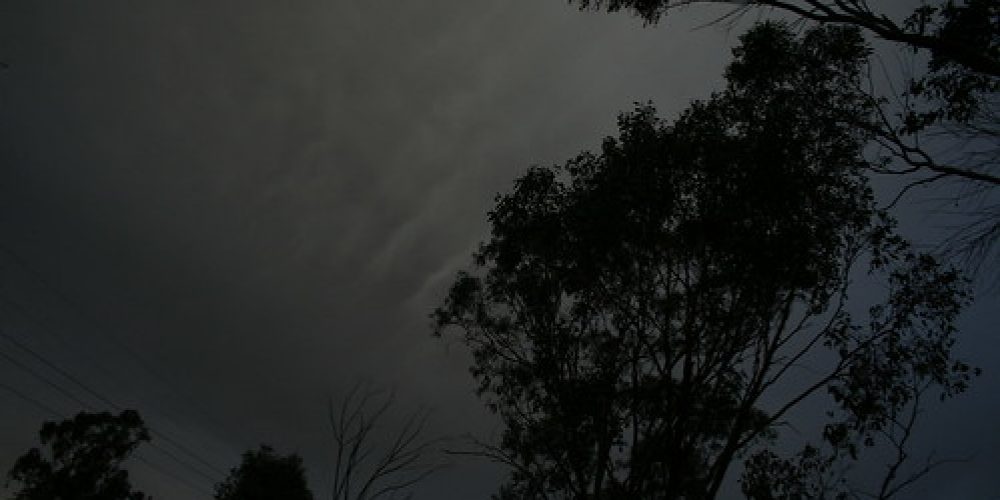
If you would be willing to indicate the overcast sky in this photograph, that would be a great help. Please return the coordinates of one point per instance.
(224, 213)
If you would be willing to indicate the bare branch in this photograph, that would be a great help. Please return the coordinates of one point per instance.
(365, 469)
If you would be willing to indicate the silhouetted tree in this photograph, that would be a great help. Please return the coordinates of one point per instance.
(945, 122)
(962, 32)
(647, 316)
(264, 475)
(83, 461)
(372, 461)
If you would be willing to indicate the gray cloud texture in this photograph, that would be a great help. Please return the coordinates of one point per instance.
(266, 199)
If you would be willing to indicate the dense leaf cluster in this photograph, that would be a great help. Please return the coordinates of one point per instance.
(84, 459)
(265, 475)
(944, 123)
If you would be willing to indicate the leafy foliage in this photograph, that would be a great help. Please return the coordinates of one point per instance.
(638, 317)
(945, 123)
(961, 92)
(770, 477)
(84, 459)
(265, 475)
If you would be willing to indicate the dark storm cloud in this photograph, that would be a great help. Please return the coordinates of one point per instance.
(266, 199)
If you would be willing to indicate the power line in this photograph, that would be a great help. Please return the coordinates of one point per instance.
(175, 477)
(31, 352)
(34, 402)
(106, 333)
(23, 311)
(122, 346)
(62, 390)
(34, 319)
(40, 324)
(56, 414)
(47, 381)
(101, 397)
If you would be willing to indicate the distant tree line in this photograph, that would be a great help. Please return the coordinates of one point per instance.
(83, 458)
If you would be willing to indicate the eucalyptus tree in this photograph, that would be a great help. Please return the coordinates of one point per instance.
(647, 318)
(941, 121)
(83, 460)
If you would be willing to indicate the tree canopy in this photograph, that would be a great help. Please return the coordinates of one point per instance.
(941, 122)
(84, 459)
(963, 33)
(265, 475)
(645, 317)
